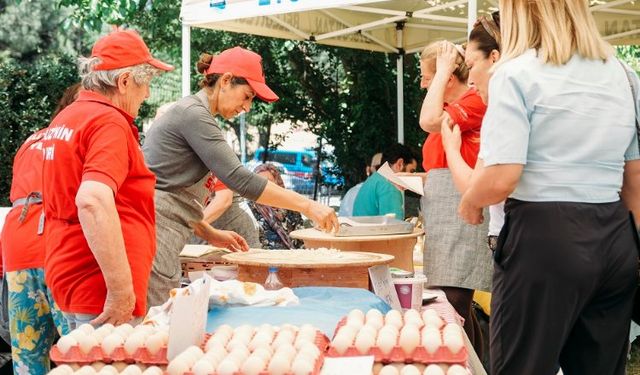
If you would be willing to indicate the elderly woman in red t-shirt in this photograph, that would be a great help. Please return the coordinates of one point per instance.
(455, 257)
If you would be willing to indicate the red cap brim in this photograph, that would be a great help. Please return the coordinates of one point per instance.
(263, 92)
(160, 65)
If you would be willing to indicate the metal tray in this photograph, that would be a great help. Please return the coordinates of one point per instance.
(351, 226)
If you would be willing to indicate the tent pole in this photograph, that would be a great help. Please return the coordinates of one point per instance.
(473, 15)
(186, 60)
(400, 81)
(243, 139)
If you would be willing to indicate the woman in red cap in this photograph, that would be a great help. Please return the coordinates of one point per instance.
(186, 145)
(97, 190)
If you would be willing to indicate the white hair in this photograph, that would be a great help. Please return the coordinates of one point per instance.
(106, 80)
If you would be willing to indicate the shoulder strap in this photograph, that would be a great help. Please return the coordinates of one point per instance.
(634, 83)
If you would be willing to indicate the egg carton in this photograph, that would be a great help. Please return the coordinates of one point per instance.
(141, 355)
(316, 369)
(397, 354)
(321, 341)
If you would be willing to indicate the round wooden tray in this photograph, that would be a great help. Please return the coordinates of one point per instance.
(294, 259)
(314, 234)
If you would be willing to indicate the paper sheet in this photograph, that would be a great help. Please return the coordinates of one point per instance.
(413, 183)
(196, 251)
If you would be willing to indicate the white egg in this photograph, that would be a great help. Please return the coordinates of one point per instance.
(410, 370)
(409, 340)
(224, 328)
(355, 324)
(87, 328)
(284, 337)
(412, 316)
(457, 370)
(153, 370)
(108, 370)
(341, 343)
(62, 370)
(124, 329)
(227, 367)
(375, 321)
(373, 314)
(111, 342)
(364, 342)
(289, 327)
(177, 366)
(238, 355)
(368, 329)
(215, 342)
(120, 366)
(85, 370)
(431, 318)
(236, 342)
(389, 370)
(286, 350)
(430, 339)
(253, 365)
(348, 332)
(218, 352)
(259, 340)
(188, 358)
(305, 356)
(145, 329)
(302, 367)
(453, 341)
(133, 343)
(394, 317)
(154, 343)
(266, 329)
(86, 343)
(433, 370)
(202, 367)
(263, 352)
(197, 352)
(308, 329)
(245, 330)
(309, 348)
(355, 315)
(65, 343)
(132, 370)
(106, 327)
(389, 328)
(98, 365)
(386, 341)
(279, 365)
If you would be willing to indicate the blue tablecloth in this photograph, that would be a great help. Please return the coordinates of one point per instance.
(323, 307)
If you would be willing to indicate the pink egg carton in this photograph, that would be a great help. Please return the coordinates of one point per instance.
(397, 354)
(316, 369)
(142, 355)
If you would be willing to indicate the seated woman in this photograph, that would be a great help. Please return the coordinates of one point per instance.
(275, 223)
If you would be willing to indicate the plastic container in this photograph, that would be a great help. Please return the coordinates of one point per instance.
(273, 282)
(410, 290)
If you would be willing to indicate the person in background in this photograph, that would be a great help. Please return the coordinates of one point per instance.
(275, 224)
(346, 204)
(482, 53)
(566, 261)
(97, 191)
(456, 258)
(34, 318)
(186, 145)
(378, 196)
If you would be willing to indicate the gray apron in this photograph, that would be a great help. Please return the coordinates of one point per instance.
(174, 211)
(455, 253)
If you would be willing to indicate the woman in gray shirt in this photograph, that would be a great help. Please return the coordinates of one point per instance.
(186, 145)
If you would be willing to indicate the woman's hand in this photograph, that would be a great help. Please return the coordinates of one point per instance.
(470, 213)
(451, 137)
(221, 238)
(323, 216)
(446, 58)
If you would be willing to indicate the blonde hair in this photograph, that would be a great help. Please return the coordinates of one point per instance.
(557, 29)
(430, 54)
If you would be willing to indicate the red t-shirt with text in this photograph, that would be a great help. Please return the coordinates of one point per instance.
(22, 244)
(91, 140)
(467, 112)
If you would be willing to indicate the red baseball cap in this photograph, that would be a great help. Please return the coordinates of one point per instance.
(123, 48)
(245, 64)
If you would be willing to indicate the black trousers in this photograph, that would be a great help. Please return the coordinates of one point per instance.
(565, 275)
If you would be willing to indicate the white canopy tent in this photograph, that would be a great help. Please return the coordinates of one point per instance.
(399, 26)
